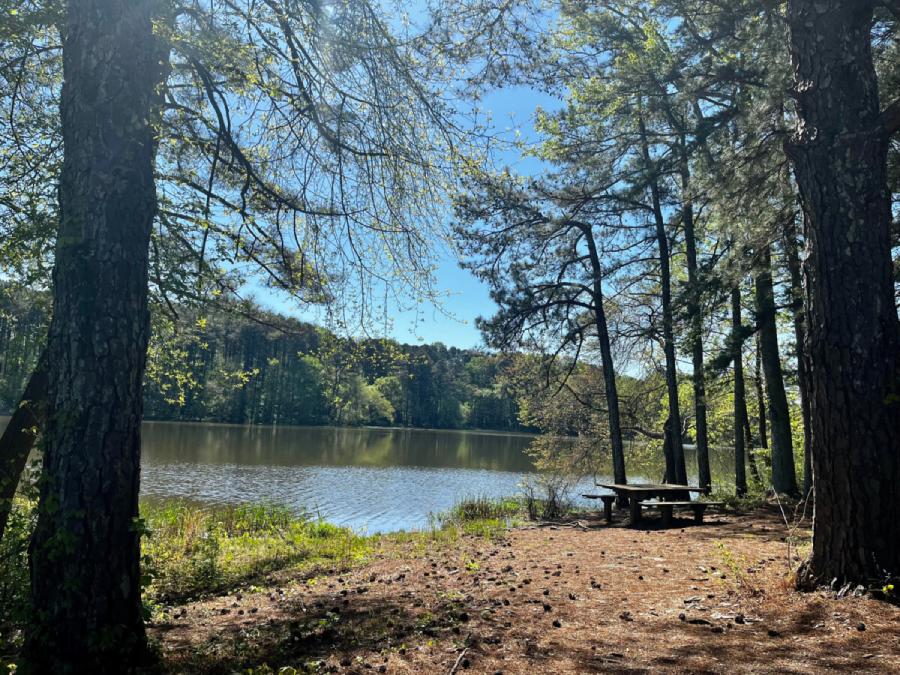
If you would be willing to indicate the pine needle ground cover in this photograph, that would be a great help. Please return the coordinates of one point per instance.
(571, 597)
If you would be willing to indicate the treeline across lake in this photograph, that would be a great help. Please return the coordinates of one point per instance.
(220, 366)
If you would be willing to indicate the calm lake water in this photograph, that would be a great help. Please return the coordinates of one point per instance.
(371, 479)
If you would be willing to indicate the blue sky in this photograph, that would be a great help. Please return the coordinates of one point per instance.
(468, 297)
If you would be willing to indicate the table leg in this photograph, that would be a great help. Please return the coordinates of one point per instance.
(666, 513)
(607, 509)
(635, 510)
(698, 512)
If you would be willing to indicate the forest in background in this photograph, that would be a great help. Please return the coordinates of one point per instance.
(243, 365)
(221, 366)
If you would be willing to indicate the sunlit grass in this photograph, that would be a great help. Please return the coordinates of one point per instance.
(192, 550)
(484, 508)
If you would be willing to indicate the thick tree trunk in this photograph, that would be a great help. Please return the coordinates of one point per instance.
(740, 396)
(784, 477)
(86, 550)
(791, 249)
(609, 371)
(696, 326)
(675, 468)
(853, 338)
(19, 436)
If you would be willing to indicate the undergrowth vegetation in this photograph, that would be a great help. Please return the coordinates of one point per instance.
(14, 599)
(190, 550)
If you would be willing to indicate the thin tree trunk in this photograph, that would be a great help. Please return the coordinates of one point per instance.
(19, 436)
(760, 397)
(853, 334)
(740, 396)
(609, 372)
(86, 548)
(791, 249)
(669, 476)
(677, 471)
(784, 477)
(696, 325)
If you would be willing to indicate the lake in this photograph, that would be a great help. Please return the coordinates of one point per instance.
(371, 479)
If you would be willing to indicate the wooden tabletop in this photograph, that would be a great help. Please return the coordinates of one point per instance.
(637, 488)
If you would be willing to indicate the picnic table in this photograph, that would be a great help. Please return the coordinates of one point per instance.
(669, 494)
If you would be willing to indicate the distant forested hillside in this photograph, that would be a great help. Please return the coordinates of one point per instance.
(225, 367)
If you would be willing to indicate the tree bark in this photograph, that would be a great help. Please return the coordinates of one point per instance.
(791, 249)
(86, 547)
(760, 397)
(740, 396)
(784, 477)
(609, 372)
(675, 467)
(753, 458)
(839, 154)
(19, 436)
(696, 325)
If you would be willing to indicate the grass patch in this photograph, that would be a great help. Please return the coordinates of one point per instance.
(485, 508)
(483, 516)
(192, 550)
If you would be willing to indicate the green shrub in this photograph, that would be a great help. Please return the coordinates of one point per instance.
(754, 499)
(14, 583)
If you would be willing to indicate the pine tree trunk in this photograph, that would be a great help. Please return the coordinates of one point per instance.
(760, 397)
(19, 436)
(675, 467)
(740, 396)
(792, 252)
(696, 327)
(609, 372)
(784, 477)
(752, 457)
(85, 551)
(839, 154)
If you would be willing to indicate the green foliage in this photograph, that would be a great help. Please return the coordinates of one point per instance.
(192, 550)
(220, 366)
(568, 406)
(23, 327)
(15, 601)
(754, 499)
(331, 181)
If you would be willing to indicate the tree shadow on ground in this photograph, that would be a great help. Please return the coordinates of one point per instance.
(317, 636)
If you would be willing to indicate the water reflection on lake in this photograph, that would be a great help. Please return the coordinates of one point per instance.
(373, 479)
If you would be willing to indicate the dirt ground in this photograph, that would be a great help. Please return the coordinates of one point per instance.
(576, 598)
